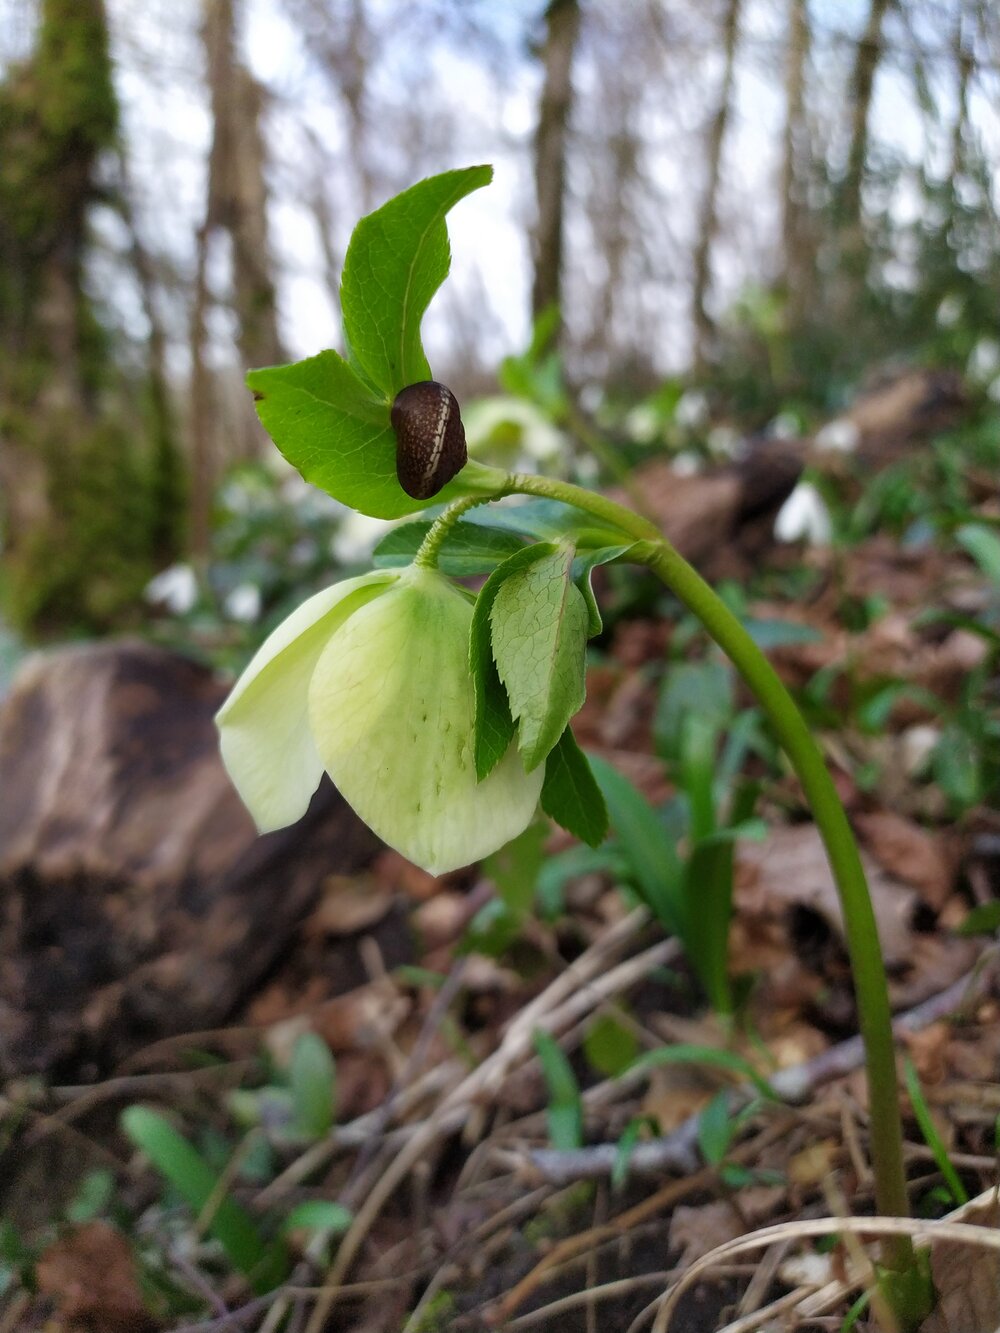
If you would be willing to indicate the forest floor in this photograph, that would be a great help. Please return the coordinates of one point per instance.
(457, 1172)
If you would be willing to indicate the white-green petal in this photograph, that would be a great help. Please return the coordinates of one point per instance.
(391, 705)
(266, 742)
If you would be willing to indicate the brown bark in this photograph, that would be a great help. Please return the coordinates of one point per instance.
(237, 190)
(799, 257)
(236, 203)
(866, 60)
(708, 220)
(562, 19)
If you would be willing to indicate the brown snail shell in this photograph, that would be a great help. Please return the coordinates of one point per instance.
(430, 438)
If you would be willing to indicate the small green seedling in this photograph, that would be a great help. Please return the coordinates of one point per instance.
(932, 1138)
(264, 1263)
(565, 1109)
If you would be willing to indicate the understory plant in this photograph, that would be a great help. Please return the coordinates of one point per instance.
(443, 716)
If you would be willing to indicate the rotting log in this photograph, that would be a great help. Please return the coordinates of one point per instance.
(136, 899)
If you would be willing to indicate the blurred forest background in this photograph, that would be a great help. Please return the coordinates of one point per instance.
(729, 243)
(740, 208)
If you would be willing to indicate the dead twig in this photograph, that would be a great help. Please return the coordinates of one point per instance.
(677, 1151)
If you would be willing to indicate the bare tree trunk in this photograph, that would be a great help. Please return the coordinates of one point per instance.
(236, 203)
(202, 408)
(708, 219)
(869, 51)
(237, 189)
(963, 67)
(799, 257)
(562, 18)
(167, 471)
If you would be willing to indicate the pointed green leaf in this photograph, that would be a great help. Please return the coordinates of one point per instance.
(570, 794)
(565, 1110)
(336, 432)
(514, 868)
(313, 1078)
(466, 550)
(494, 727)
(539, 630)
(397, 259)
(583, 567)
(654, 866)
(266, 1264)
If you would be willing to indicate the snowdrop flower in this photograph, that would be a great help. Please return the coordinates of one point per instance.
(355, 537)
(804, 517)
(175, 588)
(984, 360)
(840, 436)
(370, 681)
(512, 428)
(244, 603)
(691, 410)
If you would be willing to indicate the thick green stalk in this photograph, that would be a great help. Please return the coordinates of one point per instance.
(841, 848)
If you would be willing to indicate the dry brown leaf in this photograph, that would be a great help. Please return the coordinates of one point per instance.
(791, 870)
(814, 1163)
(348, 905)
(91, 1276)
(911, 853)
(694, 1230)
(967, 1281)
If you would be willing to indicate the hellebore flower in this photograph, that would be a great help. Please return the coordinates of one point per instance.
(370, 680)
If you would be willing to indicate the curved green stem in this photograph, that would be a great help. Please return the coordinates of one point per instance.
(430, 548)
(841, 848)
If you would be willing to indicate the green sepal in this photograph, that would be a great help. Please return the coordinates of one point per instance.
(494, 723)
(570, 794)
(583, 568)
(539, 633)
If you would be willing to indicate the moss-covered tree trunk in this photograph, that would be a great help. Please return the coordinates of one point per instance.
(74, 480)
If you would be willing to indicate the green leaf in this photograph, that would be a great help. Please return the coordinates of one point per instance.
(610, 1046)
(626, 1146)
(931, 1136)
(397, 259)
(583, 568)
(313, 1079)
(570, 794)
(539, 635)
(715, 1129)
(768, 634)
(565, 1110)
(494, 724)
(571, 864)
(984, 919)
(655, 869)
(549, 520)
(691, 689)
(686, 1054)
(514, 868)
(983, 544)
(92, 1197)
(330, 427)
(467, 549)
(266, 1265)
(318, 1215)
